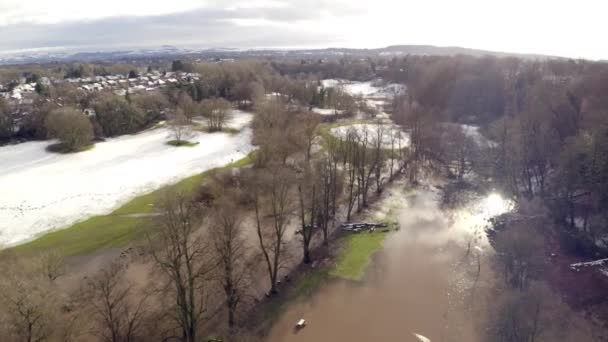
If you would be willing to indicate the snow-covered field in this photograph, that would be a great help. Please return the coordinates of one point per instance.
(42, 191)
(392, 135)
(365, 89)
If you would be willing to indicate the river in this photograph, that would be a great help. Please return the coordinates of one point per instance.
(425, 280)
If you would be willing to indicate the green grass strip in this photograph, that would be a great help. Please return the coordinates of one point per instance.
(356, 255)
(115, 229)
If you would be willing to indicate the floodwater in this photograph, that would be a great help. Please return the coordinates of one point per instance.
(425, 281)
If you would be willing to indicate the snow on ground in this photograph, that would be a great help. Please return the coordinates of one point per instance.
(330, 83)
(366, 89)
(389, 131)
(474, 133)
(325, 111)
(42, 191)
(579, 265)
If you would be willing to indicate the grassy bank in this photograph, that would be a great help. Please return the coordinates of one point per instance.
(118, 228)
(356, 255)
(324, 129)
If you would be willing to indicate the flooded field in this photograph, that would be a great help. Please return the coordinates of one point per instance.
(426, 280)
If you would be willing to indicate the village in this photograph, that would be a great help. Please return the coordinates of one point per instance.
(20, 94)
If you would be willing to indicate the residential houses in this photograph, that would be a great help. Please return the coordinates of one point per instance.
(21, 97)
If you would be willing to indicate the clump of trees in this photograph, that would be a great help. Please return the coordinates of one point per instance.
(217, 111)
(545, 122)
(71, 127)
(6, 121)
(117, 116)
(32, 308)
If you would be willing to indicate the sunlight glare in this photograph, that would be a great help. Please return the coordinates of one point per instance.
(495, 205)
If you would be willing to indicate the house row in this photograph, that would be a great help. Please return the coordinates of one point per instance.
(120, 84)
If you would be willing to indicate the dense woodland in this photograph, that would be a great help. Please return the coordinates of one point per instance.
(545, 125)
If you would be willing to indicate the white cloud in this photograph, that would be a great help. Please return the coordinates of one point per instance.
(558, 27)
(57, 11)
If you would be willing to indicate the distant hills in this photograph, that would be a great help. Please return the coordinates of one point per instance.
(454, 50)
(167, 51)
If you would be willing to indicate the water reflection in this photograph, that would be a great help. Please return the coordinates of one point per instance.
(469, 221)
(422, 284)
(494, 204)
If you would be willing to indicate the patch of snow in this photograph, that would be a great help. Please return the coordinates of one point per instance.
(474, 133)
(377, 104)
(364, 89)
(577, 266)
(369, 89)
(274, 95)
(390, 136)
(42, 191)
(326, 111)
(331, 83)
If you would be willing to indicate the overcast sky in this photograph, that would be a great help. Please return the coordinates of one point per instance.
(553, 27)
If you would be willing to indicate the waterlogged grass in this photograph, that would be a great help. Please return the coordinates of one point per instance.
(352, 262)
(324, 129)
(88, 236)
(356, 255)
(118, 228)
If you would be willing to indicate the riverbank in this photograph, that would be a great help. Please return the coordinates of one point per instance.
(345, 259)
(419, 280)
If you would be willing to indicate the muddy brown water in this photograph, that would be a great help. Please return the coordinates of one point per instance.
(422, 282)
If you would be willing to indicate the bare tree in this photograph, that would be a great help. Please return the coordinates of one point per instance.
(533, 315)
(350, 155)
(519, 252)
(52, 264)
(217, 112)
(183, 260)
(307, 123)
(180, 127)
(459, 152)
(226, 232)
(326, 174)
(29, 308)
(272, 198)
(308, 198)
(118, 313)
(378, 154)
(275, 133)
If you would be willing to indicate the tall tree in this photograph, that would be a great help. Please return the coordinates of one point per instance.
(183, 260)
(273, 204)
(226, 230)
(117, 310)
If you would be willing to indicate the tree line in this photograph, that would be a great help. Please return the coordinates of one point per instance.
(545, 121)
(205, 255)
